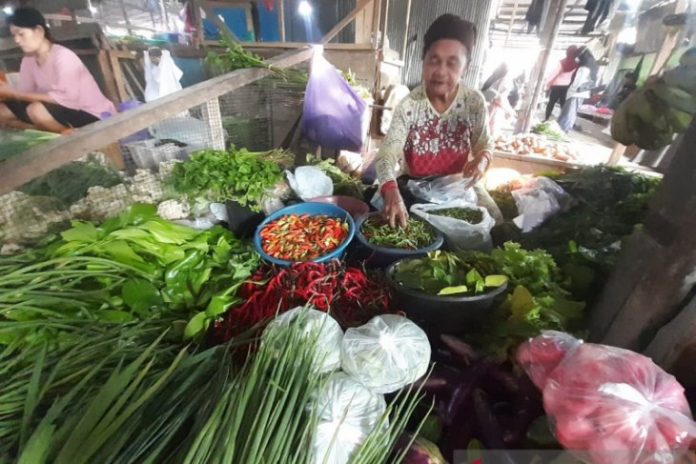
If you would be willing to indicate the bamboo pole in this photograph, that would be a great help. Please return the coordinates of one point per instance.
(281, 19)
(536, 81)
(404, 47)
(125, 17)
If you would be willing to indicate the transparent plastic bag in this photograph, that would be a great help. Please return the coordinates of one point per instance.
(460, 234)
(318, 327)
(348, 412)
(386, 354)
(609, 405)
(310, 182)
(537, 200)
(442, 190)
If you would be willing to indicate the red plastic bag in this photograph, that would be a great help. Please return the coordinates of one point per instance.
(609, 405)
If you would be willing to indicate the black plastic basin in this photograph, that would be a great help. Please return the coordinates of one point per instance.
(446, 314)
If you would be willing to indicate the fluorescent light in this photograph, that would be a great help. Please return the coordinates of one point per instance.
(8, 10)
(304, 8)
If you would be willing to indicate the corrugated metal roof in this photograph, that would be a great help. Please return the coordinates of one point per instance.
(423, 13)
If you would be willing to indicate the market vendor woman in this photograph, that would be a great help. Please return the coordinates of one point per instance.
(441, 127)
(56, 92)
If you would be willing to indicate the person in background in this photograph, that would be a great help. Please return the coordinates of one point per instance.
(558, 82)
(162, 75)
(579, 90)
(441, 128)
(56, 92)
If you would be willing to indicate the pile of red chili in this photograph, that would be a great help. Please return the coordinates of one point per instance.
(352, 297)
(302, 237)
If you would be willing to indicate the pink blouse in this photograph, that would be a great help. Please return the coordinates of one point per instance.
(65, 79)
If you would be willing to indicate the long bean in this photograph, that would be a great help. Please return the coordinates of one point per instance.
(417, 234)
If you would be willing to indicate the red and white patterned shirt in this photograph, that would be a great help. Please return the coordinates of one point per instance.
(422, 142)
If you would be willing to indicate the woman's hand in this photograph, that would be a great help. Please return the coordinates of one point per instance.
(7, 92)
(394, 208)
(477, 167)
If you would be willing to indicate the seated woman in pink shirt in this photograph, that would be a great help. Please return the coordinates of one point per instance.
(56, 92)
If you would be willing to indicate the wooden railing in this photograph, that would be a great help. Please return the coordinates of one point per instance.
(42, 159)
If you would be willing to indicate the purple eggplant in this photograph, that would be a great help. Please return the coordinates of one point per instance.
(528, 405)
(490, 430)
(461, 351)
(462, 392)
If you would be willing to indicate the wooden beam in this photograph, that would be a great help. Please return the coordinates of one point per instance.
(363, 25)
(512, 20)
(44, 158)
(118, 77)
(108, 76)
(281, 19)
(376, 21)
(344, 22)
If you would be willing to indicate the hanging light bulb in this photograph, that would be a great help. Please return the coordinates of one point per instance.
(305, 8)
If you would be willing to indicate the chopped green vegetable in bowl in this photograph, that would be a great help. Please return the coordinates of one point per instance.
(470, 215)
(416, 235)
(446, 274)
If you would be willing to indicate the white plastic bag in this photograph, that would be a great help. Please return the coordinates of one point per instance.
(310, 182)
(538, 200)
(348, 413)
(442, 190)
(460, 234)
(608, 405)
(386, 354)
(319, 328)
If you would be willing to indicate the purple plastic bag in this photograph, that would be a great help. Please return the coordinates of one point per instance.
(333, 112)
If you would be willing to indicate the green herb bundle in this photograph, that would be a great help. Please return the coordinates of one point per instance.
(442, 273)
(133, 267)
(344, 183)
(470, 215)
(416, 235)
(220, 176)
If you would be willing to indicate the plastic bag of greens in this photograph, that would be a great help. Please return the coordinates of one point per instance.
(538, 200)
(333, 113)
(466, 226)
(444, 189)
(608, 405)
(319, 328)
(347, 412)
(386, 354)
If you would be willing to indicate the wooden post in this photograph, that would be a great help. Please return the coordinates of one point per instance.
(404, 47)
(652, 276)
(213, 117)
(165, 15)
(363, 24)
(536, 80)
(125, 17)
(344, 22)
(376, 21)
(108, 75)
(512, 22)
(281, 19)
(199, 37)
(118, 76)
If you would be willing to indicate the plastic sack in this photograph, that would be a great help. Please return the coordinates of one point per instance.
(348, 412)
(333, 112)
(459, 234)
(386, 354)
(444, 189)
(317, 327)
(310, 182)
(538, 200)
(609, 405)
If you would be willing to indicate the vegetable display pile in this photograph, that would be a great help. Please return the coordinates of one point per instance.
(536, 145)
(586, 240)
(416, 235)
(302, 237)
(348, 293)
(344, 183)
(443, 274)
(551, 130)
(136, 266)
(15, 142)
(220, 176)
(470, 215)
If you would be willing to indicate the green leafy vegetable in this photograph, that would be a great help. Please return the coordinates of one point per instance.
(237, 175)
(442, 273)
(470, 215)
(344, 183)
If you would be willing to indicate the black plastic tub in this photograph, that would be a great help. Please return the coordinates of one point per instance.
(442, 314)
(380, 257)
(241, 220)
